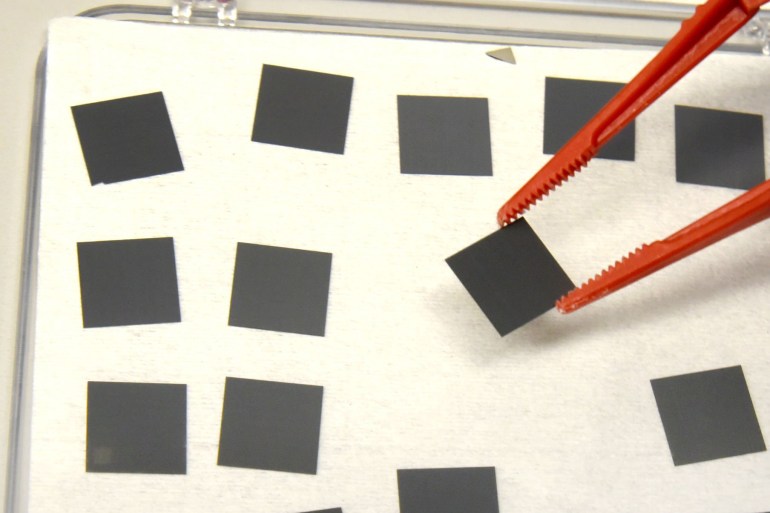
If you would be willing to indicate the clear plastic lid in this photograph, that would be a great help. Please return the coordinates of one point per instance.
(576, 23)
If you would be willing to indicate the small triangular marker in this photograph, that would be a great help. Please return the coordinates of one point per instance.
(503, 54)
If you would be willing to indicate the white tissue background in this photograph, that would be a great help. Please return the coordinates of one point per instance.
(414, 375)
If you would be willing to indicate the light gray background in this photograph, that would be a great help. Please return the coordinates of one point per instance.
(22, 36)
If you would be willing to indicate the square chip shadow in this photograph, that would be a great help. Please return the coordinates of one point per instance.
(444, 136)
(136, 428)
(303, 109)
(280, 289)
(570, 104)
(127, 282)
(511, 275)
(707, 415)
(332, 510)
(448, 490)
(127, 138)
(269, 425)
(719, 148)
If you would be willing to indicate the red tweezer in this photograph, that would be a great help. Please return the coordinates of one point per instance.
(711, 25)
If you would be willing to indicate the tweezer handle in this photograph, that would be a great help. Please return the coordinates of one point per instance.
(746, 210)
(712, 24)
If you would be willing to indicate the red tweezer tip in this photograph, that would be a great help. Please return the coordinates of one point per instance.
(746, 210)
(614, 277)
(711, 25)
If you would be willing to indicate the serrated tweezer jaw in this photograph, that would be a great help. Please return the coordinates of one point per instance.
(710, 26)
(746, 210)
